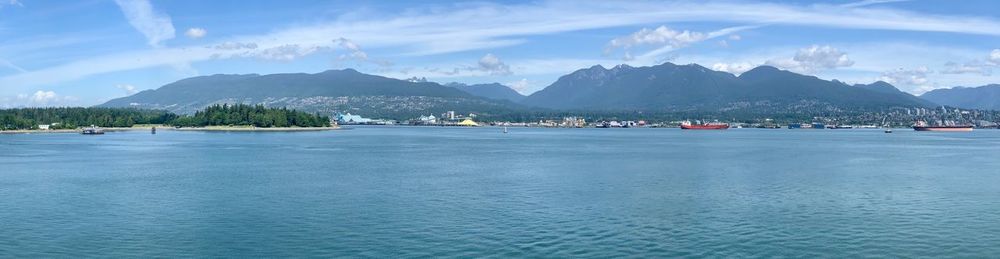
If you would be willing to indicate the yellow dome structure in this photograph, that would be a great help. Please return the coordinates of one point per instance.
(468, 122)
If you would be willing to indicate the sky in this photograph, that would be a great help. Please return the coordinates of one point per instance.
(85, 52)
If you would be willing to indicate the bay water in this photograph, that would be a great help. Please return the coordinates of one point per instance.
(477, 192)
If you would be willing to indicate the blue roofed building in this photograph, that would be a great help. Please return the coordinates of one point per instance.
(348, 118)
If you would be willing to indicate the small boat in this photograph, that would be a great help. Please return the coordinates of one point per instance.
(92, 130)
(504, 129)
(888, 129)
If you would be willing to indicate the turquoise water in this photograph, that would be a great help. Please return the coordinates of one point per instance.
(475, 192)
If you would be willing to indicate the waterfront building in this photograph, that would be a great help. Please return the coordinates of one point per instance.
(348, 118)
(429, 119)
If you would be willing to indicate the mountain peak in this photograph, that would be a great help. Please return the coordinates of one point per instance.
(495, 91)
(880, 86)
(982, 97)
(622, 67)
(597, 67)
(339, 71)
(763, 69)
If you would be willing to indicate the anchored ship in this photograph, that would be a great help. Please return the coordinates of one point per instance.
(706, 126)
(923, 126)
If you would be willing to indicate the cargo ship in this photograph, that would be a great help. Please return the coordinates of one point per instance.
(923, 126)
(705, 126)
(942, 128)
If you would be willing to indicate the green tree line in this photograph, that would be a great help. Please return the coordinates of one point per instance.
(74, 117)
(217, 115)
(255, 115)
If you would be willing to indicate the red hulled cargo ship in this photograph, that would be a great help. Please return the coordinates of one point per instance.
(706, 126)
(923, 126)
(942, 128)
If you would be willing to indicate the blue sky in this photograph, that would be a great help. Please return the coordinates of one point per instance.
(61, 53)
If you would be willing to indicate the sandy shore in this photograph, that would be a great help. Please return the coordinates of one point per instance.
(39, 131)
(163, 128)
(253, 129)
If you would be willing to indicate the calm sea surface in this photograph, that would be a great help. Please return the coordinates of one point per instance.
(475, 192)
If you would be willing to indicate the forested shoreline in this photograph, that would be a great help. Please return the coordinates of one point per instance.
(75, 117)
(251, 115)
(217, 115)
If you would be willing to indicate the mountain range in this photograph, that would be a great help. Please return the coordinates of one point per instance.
(693, 87)
(327, 92)
(492, 91)
(662, 88)
(985, 97)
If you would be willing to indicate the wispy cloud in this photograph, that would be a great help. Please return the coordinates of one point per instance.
(466, 27)
(493, 65)
(967, 68)
(915, 77)
(195, 33)
(10, 3)
(7, 64)
(994, 57)
(40, 98)
(812, 59)
(156, 27)
(661, 36)
(735, 68)
(521, 86)
(128, 89)
(871, 2)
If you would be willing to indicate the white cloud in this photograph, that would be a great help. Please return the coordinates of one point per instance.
(493, 65)
(659, 55)
(287, 52)
(521, 86)
(129, 89)
(195, 33)
(994, 57)
(976, 66)
(908, 77)
(966, 68)
(462, 27)
(489, 64)
(354, 52)
(40, 98)
(734, 68)
(735, 37)
(5, 63)
(43, 97)
(11, 3)
(871, 2)
(157, 27)
(229, 45)
(661, 36)
(813, 59)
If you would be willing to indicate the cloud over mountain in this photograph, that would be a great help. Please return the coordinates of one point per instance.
(661, 36)
(493, 65)
(814, 58)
